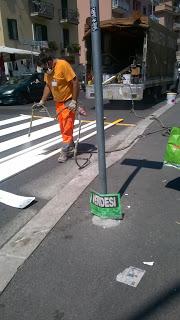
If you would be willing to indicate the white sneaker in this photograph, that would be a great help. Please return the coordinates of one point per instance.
(63, 156)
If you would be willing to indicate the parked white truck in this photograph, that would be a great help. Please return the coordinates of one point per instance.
(138, 56)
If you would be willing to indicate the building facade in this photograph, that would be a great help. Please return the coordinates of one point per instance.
(110, 9)
(36, 24)
(168, 13)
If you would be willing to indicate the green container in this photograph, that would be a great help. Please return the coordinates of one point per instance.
(172, 153)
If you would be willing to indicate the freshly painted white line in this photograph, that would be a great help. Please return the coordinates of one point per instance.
(23, 126)
(15, 200)
(15, 166)
(15, 119)
(45, 144)
(15, 142)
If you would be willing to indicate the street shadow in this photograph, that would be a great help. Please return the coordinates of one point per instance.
(174, 184)
(86, 148)
(144, 104)
(31, 204)
(148, 311)
(138, 164)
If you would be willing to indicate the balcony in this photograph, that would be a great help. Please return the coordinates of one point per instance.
(176, 26)
(71, 49)
(177, 11)
(178, 55)
(164, 7)
(41, 9)
(120, 6)
(36, 44)
(69, 16)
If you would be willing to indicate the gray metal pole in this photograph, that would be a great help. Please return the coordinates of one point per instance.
(97, 72)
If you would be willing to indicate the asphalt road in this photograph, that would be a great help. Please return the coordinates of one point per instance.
(32, 181)
(72, 274)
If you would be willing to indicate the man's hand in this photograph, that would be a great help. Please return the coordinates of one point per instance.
(72, 105)
(39, 104)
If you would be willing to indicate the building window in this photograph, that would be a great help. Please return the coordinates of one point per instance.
(136, 5)
(64, 6)
(65, 38)
(12, 29)
(144, 10)
(40, 32)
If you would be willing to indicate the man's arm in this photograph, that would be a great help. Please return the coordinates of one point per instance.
(45, 95)
(76, 88)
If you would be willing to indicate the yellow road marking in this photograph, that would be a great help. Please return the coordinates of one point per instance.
(115, 122)
(126, 124)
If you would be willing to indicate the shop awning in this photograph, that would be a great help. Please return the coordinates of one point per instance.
(4, 49)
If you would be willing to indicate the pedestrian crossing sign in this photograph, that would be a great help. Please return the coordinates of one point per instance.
(106, 206)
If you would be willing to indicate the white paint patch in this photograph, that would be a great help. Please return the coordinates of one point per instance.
(14, 200)
(105, 223)
(151, 263)
(131, 276)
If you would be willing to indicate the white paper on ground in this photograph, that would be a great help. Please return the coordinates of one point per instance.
(131, 276)
(105, 223)
(14, 200)
(149, 263)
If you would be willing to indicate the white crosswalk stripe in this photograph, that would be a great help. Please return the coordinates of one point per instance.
(22, 152)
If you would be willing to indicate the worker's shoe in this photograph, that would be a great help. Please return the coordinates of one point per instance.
(63, 156)
(67, 151)
(70, 150)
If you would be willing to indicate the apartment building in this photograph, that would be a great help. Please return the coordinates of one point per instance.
(36, 24)
(110, 9)
(168, 13)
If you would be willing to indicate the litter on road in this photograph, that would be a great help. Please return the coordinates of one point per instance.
(105, 223)
(14, 200)
(131, 276)
(149, 263)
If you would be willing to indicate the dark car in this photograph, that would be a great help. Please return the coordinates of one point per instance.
(22, 90)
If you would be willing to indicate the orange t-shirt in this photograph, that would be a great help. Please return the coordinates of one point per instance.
(60, 81)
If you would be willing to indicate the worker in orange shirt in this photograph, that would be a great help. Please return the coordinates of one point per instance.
(62, 82)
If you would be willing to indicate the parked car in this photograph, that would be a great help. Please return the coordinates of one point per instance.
(21, 90)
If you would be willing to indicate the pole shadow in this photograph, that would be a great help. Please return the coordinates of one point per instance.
(157, 305)
(138, 164)
(174, 184)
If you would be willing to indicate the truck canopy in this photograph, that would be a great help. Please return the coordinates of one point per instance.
(136, 41)
(116, 23)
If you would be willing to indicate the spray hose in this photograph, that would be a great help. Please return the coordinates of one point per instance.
(86, 160)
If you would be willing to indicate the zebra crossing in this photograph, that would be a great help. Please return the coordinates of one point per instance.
(19, 152)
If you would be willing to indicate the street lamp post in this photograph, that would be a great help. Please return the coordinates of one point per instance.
(97, 71)
(152, 7)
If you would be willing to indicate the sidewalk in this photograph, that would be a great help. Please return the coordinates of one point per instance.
(72, 274)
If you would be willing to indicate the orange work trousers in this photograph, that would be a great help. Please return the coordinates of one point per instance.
(66, 122)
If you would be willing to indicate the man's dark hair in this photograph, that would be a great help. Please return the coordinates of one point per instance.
(43, 59)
